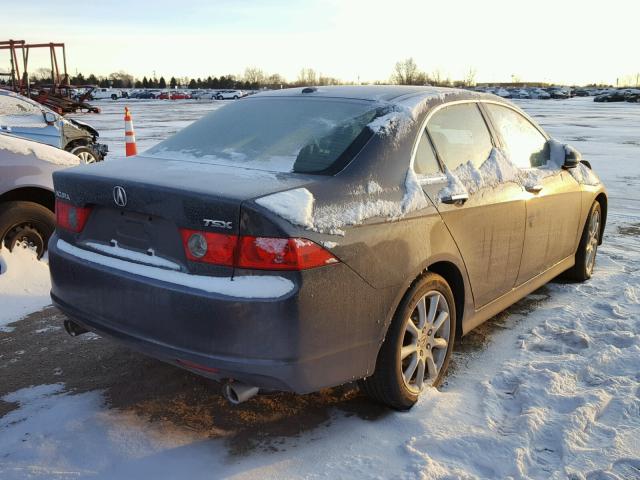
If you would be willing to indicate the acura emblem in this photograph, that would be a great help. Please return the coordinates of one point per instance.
(119, 196)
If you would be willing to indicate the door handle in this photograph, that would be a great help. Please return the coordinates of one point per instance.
(533, 188)
(456, 199)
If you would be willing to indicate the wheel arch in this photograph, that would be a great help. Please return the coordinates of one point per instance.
(38, 195)
(603, 201)
(453, 276)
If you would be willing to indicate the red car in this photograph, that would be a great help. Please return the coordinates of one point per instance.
(179, 96)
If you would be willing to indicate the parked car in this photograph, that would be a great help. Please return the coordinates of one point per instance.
(201, 94)
(143, 95)
(502, 92)
(520, 93)
(178, 95)
(610, 96)
(312, 237)
(558, 93)
(25, 118)
(539, 94)
(26, 190)
(229, 94)
(100, 93)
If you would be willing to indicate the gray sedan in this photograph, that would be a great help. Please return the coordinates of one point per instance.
(305, 238)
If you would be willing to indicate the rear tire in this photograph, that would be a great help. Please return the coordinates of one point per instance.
(26, 221)
(588, 247)
(415, 355)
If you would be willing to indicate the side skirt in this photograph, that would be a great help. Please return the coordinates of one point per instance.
(509, 298)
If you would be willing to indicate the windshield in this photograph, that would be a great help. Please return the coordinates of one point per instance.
(276, 134)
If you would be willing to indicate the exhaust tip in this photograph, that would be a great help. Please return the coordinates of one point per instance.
(237, 392)
(73, 329)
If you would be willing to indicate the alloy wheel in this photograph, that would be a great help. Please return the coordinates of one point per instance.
(426, 341)
(592, 240)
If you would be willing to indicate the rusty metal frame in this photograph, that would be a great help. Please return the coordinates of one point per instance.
(19, 83)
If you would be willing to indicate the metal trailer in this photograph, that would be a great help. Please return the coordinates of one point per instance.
(56, 95)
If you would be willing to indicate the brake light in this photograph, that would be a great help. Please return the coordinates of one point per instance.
(262, 253)
(282, 254)
(71, 217)
(209, 247)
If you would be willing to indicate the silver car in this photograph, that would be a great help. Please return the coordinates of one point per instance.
(27, 199)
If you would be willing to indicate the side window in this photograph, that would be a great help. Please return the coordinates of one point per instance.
(425, 162)
(525, 145)
(460, 135)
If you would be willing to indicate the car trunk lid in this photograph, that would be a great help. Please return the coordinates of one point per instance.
(140, 204)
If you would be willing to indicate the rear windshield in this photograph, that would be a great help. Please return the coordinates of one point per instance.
(276, 134)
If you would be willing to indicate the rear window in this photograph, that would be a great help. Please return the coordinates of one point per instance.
(276, 134)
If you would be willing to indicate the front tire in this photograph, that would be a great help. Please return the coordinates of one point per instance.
(27, 222)
(418, 346)
(588, 247)
(85, 154)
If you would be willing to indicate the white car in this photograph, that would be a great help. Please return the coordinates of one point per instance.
(103, 93)
(229, 94)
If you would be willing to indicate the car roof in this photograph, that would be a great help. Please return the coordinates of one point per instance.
(394, 94)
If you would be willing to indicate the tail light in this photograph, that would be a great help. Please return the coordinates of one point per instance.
(209, 247)
(282, 254)
(71, 217)
(262, 253)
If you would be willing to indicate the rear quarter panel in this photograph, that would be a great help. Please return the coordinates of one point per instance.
(24, 171)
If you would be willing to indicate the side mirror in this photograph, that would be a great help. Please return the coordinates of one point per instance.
(50, 118)
(572, 158)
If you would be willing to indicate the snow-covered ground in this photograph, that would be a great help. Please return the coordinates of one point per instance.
(24, 284)
(548, 389)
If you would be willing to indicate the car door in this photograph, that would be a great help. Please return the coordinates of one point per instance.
(25, 119)
(487, 224)
(553, 196)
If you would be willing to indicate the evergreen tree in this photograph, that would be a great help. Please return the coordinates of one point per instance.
(145, 82)
(193, 84)
(162, 83)
(173, 83)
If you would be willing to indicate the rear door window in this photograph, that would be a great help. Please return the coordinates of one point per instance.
(525, 145)
(460, 135)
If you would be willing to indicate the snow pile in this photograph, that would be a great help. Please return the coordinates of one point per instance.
(239, 287)
(150, 258)
(495, 170)
(24, 284)
(294, 205)
(583, 174)
(43, 152)
(297, 206)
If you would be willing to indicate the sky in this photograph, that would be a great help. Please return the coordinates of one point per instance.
(555, 41)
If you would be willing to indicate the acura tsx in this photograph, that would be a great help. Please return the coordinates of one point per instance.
(305, 238)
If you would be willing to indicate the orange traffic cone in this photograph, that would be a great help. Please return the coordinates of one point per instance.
(129, 135)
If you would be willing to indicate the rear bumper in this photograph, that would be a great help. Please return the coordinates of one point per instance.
(312, 337)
